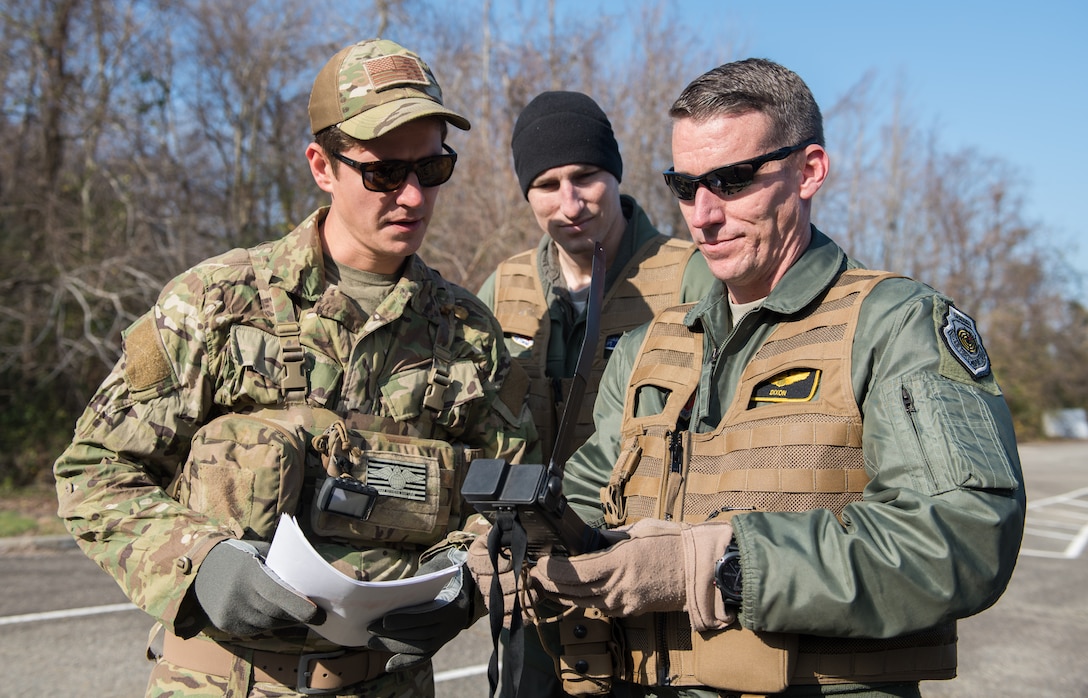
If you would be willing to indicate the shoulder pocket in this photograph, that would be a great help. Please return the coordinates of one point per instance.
(955, 429)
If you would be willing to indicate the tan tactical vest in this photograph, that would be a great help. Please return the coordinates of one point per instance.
(776, 449)
(649, 283)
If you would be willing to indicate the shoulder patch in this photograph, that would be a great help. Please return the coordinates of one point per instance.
(963, 341)
(146, 365)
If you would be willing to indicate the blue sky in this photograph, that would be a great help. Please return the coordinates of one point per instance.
(1007, 79)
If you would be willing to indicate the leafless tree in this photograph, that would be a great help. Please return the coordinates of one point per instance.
(144, 135)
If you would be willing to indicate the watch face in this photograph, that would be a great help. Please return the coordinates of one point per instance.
(727, 577)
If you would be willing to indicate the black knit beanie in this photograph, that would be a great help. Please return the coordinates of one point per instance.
(562, 128)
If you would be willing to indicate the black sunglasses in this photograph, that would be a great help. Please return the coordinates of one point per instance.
(727, 180)
(390, 175)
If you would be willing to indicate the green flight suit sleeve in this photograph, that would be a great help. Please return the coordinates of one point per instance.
(590, 467)
(936, 535)
(487, 292)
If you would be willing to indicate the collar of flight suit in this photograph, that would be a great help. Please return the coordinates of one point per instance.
(817, 269)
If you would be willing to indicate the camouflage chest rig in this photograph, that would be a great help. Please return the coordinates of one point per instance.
(776, 449)
(353, 481)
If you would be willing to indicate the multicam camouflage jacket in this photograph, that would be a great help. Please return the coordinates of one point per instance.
(210, 348)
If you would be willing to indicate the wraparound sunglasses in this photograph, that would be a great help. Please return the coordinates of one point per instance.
(730, 179)
(390, 175)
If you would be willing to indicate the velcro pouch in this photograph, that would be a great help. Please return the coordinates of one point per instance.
(243, 471)
(414, 479)
(737, 659)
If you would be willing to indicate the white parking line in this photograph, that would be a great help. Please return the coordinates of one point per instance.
(1063, 517)
(462, 673)
(440, 677)
(66, 613)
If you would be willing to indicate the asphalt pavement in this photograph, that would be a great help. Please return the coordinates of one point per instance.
(66, 629)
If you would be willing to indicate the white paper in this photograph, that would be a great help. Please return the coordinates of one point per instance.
(350, 605)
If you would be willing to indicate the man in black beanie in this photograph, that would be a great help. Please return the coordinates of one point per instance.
(569, 168)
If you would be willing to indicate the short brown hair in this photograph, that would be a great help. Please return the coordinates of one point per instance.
(755, 85)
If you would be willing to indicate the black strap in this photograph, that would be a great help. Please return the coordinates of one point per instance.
(567, 422)
(506, 533)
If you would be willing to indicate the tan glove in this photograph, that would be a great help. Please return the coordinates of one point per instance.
(479, 563)
(662, 566)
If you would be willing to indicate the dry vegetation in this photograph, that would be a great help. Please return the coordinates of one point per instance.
(144, 135)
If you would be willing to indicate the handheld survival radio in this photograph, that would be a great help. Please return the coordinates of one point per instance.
(533, 493)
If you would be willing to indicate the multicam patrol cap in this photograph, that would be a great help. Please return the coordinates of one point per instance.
(374, 86)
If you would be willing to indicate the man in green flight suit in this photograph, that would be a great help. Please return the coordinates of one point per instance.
(331, 375)
(811, 473)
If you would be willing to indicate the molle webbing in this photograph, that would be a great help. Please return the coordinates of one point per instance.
(784, 456)
(926, 655)
(519, 298)
(649, 283)
(749, 662)
(278, 306)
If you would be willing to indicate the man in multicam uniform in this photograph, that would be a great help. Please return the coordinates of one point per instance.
(812, 471)
(179, 468)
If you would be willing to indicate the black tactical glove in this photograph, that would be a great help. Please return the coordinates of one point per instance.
(242, 597)
(415, 633)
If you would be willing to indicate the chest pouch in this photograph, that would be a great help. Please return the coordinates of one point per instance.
(244, 470)
(385, 487)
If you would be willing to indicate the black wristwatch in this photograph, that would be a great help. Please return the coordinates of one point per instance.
(727, 576)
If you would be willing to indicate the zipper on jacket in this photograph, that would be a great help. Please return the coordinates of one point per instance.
(911, 410)
(557, 395)
(676, 451)
(670, 483)
(662, 650)
(908, 401)
(723, 510)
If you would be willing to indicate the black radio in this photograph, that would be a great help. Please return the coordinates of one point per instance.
(534, 495)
